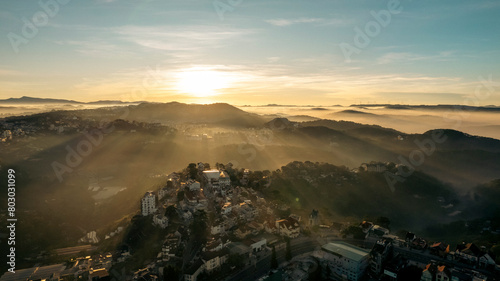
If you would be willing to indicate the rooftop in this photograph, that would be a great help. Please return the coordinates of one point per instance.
(346, 250)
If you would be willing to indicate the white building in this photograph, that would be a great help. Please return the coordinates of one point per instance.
(148, 203)
(346, 261)
(213, 260)
(160, 220)
(194, 270)
(194, 185)
(212, 174)
(162, 192)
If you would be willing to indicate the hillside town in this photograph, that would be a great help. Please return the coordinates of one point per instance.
(215, 226)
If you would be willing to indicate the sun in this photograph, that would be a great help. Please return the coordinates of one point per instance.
(200, 82)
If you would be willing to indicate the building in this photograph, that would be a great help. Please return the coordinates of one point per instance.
(433, 272)
(288, 227)
(162, 192)
(170, 246)
(314, 218)
(160, 220)
(191, 274)
(377, 167)
(257, 244)
(381, 252)
(439, 249)
(345, 261)
(224, 180)
(213, 260)
(148, 203)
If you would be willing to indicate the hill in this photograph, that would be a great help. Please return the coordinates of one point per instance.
(340, 192)
(217, 113)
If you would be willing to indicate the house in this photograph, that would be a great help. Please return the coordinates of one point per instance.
(162, 192)
(148, 203)
(169, 247)
(439, 249)
(213, 260)
(192, 272)
(468, 253)
(270, 227)
(366, 226)
(242, 232)
(377, 167)
(314, 218)
(378, 231)
(288, 227)
(485, 261)
(216, 243)
(346, 261)
(418, 243)
(255, 227)
(224, 180)
(160, 220)
(217, 227)
(226, 209)
(193, 185)
(433, 272)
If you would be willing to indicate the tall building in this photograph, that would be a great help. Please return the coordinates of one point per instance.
(381, 252)
(148, 203)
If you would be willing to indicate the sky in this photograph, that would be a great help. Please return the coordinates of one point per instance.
(252, 52)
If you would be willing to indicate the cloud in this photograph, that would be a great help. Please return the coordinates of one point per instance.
(179, 38)
(320, 21)
(400, 57)
(9, 72)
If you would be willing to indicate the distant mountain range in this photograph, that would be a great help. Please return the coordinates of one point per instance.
(32, 100)
(438, 106)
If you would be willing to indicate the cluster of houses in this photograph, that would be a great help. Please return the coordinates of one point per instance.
(242, 223)
(390, 256)
(387, 262)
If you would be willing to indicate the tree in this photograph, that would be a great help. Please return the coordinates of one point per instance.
(288, 251)
(383, 222)
(171, 212)
(235, 260)
(170, 273)
(199, 226)
(192, 170)
(274, 260)
(355, 231)
(180, 195)
(170, 184)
